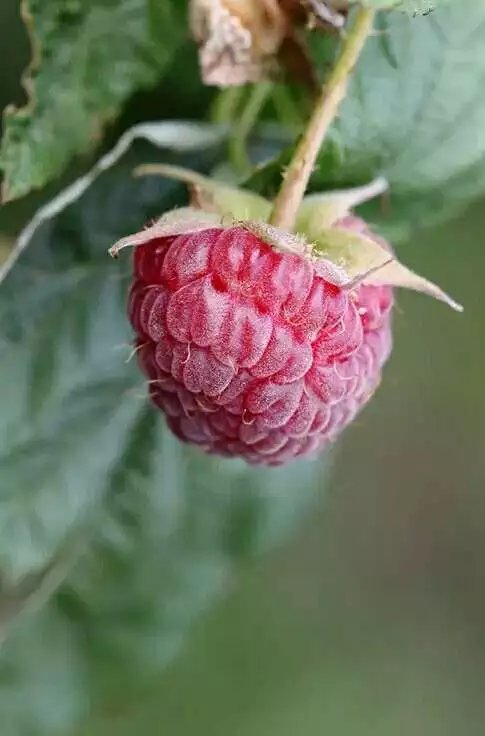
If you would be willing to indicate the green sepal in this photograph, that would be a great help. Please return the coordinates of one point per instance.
(367, 261)
(214, 196)
(319, 211)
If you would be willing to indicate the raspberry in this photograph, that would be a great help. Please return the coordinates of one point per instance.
(248, 351)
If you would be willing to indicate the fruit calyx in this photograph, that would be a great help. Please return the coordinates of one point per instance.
(345, 256)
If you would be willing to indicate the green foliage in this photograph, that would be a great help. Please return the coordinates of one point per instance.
(85, 457)
(67, 388)
(414, 113)
(412, 7)
(88, 57)
(42, 678)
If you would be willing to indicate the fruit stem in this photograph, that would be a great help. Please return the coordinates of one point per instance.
(298, 174)
(225, 106)
(238, 145)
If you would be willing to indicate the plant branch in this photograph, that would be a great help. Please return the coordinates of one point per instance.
(300, 169)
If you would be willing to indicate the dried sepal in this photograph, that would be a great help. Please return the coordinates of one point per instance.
(279, 239)
(212, 195)
(176, 222)
(368, 261)
(297, 244)
(347, 257)
(321, 211)
(344, 256)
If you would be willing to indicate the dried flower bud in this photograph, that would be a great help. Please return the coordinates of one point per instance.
(239, 39)
(244, 41)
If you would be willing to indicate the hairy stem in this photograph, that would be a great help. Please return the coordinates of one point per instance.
(300, 169)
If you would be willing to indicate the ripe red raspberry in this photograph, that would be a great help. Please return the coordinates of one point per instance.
(248, 351)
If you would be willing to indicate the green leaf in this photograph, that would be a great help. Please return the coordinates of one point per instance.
(42, 678)
(86, 457)
(174, 524)
(415, 114)
(64, 340)
(88, 58)
(171, 530)
(412, 7)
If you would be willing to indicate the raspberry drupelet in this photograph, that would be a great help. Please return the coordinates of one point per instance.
(247, 350)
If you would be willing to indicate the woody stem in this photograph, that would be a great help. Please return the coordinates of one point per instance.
(333, 92)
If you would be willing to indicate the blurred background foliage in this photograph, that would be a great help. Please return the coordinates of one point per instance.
(354, 609)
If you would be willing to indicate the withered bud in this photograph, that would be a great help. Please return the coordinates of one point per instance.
(244, 41)
(238, 39)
